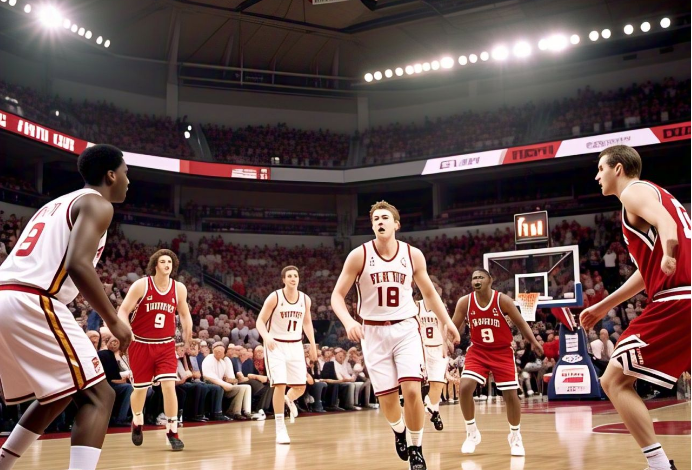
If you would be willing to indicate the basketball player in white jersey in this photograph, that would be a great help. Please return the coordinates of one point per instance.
(284, 317)
(44, 354)
(434, 339)
(384, 270)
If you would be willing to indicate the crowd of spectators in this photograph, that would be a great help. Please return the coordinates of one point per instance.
(588, 112)
(277, 145)
(644, 104)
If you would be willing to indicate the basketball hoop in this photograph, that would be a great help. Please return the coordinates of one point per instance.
(528, 302)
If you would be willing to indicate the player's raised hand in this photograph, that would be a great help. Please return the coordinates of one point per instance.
(354, 331)
(269, 343)
(123, 332)
(668, 265)
(590, 316)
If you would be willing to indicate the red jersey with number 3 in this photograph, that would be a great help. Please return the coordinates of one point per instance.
(489, 328)
(154, 317)
(646, 250)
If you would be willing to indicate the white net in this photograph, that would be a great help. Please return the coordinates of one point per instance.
(528, 301)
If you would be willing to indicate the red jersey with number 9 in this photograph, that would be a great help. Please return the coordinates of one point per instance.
(489, 328)
(154, 316)
(646, 250)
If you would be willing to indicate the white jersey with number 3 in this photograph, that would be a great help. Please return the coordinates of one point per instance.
(38, 258)
(385, 287)
(286, 320)
(430, 326)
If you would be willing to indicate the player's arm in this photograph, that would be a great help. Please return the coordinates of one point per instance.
(184, 313)
(93, 215)
(460, 311)
(642, 201)
(309, 329)
(352, 266)
(593, 314)
(268, 307)
(134, 295)
(507, 306)
(427, 289)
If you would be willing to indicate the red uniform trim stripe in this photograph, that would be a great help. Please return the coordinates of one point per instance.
(5, 449)
(398, 244)
(387, 392)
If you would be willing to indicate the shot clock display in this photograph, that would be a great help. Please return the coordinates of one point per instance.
(531, 227)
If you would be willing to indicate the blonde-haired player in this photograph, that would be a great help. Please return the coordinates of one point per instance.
(384, 270)
(281, 322)
(435, 358)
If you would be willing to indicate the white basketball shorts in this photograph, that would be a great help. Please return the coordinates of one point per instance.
(286, 364)
(44, 354)
(436, 363)
(393, 353)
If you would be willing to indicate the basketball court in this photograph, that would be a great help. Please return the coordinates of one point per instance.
(557, 435)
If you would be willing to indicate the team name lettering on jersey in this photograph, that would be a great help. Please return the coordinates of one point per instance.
(166, 307)
(289, 314)
(388, 276)
(485, 322)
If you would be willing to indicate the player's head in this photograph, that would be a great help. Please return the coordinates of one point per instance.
(385, 219)
(103, 166)
(481, 280)
(163, 262)
(290, 276)
(619, 162)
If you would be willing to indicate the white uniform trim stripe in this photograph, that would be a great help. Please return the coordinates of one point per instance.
(675, 297)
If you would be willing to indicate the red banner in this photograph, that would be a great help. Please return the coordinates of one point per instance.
(33, 131)
(672, 132)
(530, 153)
(222, 170)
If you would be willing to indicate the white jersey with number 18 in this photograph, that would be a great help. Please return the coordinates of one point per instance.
(38, 258)
(385, 287)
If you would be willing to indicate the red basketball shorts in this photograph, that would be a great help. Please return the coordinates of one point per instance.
(480, 361)
(152, 362)
(656, 346)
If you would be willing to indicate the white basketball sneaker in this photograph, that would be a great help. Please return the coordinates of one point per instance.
(472, 440)
(282, 436)
(516, 446)
(291, 407)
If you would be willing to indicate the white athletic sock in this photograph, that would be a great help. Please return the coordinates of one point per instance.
(279, 418)
(399, 426)
(656, 456)
(84, 458)
(172, 424)
(19, 441)
(471, 426)
(436, 406)
(138, 419)
(416, 438)
(427, 402)
(514, 429)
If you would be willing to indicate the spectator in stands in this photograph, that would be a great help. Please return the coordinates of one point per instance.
(194, 360)
(334, 372)
(602, 350)
(123, 389)
(218, 369)
(189, 382)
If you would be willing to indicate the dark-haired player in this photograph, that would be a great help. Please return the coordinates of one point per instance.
(44, 354)
(656, 345)
(150, 307)
(491, 351)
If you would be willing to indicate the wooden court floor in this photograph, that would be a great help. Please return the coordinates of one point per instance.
(556, 436)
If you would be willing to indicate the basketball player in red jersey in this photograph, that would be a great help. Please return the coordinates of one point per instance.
(150, 307)
(281, 322)
(491, 351)
(384, 270)
(44, 353)
(656, 345)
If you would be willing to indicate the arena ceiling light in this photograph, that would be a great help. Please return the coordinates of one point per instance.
(12, 2)
(665, 23)
(418, 68)
(522, 49)
(368, 77)
(435, 65)
(447, 62)
(99, 40)
(473, 58)
(50, 17)
(485, 56)
(378, 75)
(605, 34)
(574, 39)
(426, 66)
(500, 53)
(388, 73)
(409, 70)
(646, 26)
(399, 71)
(557, 43)
(543, 44)
(463, 60)
(593, 35)
(107, 44)
(629, 29)
(27, 8)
